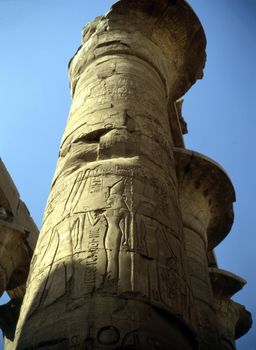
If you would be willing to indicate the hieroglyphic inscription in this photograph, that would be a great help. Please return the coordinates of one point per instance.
(91, 259)
(96, 185)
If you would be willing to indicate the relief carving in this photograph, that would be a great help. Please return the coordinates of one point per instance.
(117, 237)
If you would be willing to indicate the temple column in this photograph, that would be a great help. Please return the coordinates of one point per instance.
(206, 197)
(233, 319)
(110, 262)
(18, 236)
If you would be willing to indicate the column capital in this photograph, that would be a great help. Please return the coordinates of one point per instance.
(171, 27)
(206, 194)
(233, 319)
(225, 283)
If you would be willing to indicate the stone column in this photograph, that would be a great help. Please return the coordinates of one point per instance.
(233, 320)
(18, 235)
(206, 197)
(109, 270)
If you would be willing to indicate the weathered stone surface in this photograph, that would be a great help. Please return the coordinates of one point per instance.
(18, 236)
(206, 196)
(225, 283)
(122, 261)
(232, 318)
(112, 234)
(204, 182)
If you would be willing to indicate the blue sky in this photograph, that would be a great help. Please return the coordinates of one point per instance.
(38, 37)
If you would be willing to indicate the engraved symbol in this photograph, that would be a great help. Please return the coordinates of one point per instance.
(108, 335)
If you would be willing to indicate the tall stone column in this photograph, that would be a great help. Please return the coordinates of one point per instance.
(18, 235)
(109, 270)
(206, 197)
(233, 319)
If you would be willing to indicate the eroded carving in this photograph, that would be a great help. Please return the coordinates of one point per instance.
(117, 235)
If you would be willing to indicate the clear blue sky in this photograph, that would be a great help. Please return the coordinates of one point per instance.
(38, 37)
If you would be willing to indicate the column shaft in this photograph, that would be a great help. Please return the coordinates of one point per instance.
(109, 264)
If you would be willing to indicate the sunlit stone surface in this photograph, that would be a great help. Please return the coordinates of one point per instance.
(122, 257)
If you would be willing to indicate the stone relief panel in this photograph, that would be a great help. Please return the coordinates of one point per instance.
(113, 234)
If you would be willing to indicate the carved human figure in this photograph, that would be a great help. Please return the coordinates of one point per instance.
(117, 216)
